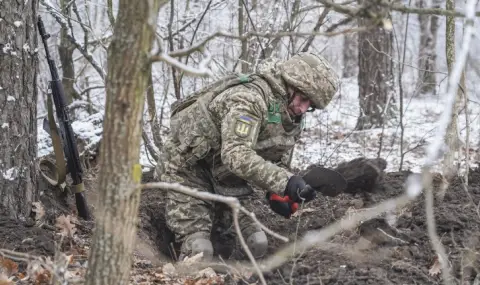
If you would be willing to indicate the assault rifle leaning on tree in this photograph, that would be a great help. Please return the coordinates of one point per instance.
(63, 140)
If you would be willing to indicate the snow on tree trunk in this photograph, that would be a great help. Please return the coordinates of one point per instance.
(427, 50)
(375, 77)
(117, 205)
(18, 107)
(452, 139)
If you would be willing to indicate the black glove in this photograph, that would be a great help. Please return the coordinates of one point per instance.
(298, 191)
(282, 205)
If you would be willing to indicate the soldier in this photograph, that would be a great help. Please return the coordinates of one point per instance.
(234, 135)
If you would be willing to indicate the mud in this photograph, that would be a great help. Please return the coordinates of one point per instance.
(373, 253)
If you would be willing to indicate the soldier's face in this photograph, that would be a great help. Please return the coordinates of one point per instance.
(299, 104)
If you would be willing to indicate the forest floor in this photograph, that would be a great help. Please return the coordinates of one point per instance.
(373, 253)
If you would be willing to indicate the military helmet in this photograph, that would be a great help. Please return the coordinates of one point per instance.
(312, 75)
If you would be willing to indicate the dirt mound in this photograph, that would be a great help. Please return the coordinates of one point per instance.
(376, 253)
(373, 253)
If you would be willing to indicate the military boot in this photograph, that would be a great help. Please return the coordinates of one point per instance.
(196, 243)
(258, 243)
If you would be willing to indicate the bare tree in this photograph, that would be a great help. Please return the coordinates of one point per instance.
(427, 52)
(375, 76)
(65, 51)
(350, 55)
(120, 174)
(18, 109)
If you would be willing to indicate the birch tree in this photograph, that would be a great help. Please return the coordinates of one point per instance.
(18, 107)
(128, 71)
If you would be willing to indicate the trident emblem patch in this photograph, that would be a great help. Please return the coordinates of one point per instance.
(243, 126)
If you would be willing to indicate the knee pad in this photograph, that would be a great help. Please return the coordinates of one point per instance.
(258, 244)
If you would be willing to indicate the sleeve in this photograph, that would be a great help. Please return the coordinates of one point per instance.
(240, 127)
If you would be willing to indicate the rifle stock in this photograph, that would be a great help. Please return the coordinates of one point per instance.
(64, 136)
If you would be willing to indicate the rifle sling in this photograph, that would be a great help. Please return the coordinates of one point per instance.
(59, 170)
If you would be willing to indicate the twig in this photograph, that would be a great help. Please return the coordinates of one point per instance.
(200, 44)
(245, 246)
(230, 201)
(84, 52)
(313, 238)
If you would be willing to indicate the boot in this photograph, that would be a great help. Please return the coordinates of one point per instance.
(258, 244)
(196, 243)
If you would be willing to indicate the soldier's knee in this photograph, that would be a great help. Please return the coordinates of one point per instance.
(258, 244)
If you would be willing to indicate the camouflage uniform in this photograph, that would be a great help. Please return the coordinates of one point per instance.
(224, 142)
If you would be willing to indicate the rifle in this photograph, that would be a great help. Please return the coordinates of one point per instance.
(66, 137)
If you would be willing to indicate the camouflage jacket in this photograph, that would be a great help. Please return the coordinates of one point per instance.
(242, 133)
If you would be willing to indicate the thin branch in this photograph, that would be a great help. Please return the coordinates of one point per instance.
(245, 246)
(84, 52)
(361, 11)
(319, 23)
(199, 46)
(430, 11)
(230, 201)
(201, 71)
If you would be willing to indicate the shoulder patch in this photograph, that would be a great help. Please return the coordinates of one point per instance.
(243, 126)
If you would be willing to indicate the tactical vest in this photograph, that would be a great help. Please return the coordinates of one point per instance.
(198, 138)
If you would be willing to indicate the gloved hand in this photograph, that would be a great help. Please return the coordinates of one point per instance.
(298, 190)
(282, 205)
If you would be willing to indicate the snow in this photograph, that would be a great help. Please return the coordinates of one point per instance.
(5, 126)
(10, 98)
(18, 23)
(330, 138)
(10, 174)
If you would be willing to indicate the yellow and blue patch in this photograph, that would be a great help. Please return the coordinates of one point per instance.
(243, 126)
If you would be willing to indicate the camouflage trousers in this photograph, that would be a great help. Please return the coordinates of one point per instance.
(186, 215)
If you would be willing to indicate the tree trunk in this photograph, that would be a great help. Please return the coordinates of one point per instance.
(18, 107)
(350, 55)
(427, 53)
(452, 139)
(65, 52)
(375, 77)
(120, 173)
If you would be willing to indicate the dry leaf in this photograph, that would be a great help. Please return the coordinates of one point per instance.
(39, 210)
(10, 267)
(436, 267)
(65, 226)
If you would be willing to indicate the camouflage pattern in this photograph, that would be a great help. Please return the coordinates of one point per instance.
(236, 138)
(312, 75)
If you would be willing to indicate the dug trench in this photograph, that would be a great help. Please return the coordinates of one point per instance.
(372, 253)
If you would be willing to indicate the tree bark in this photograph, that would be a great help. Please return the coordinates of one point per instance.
(350, 55)
(18, 107)
(120, 172)
(427, 52)
(65, 52)
(375, 77)
(452, 138)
